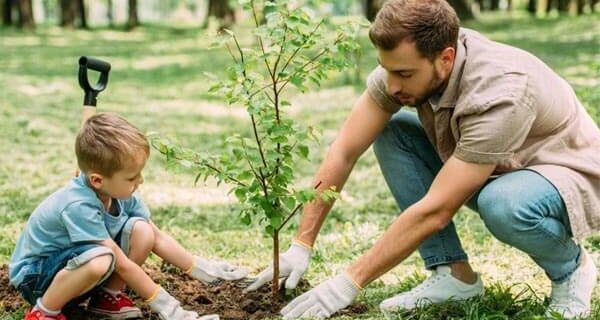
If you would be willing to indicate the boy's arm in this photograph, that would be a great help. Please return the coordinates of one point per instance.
(199, 268)
(131, 273)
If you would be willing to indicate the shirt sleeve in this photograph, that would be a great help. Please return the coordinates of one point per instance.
(495, 132)
(377, 89)
(84, 222)
(135, 207)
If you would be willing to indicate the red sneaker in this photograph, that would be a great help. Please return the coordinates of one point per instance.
(118, 306)
(38, 315)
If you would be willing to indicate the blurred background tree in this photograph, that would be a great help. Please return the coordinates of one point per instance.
(128, 14)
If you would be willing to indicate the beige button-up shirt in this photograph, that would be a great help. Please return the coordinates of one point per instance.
(504, 106)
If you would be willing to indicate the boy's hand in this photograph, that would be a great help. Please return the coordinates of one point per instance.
(168, 308)
(209, 271)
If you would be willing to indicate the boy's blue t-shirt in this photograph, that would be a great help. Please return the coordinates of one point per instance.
(70, 216)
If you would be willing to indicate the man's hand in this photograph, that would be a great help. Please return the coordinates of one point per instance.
(209, 271)
(326, 299)
(292, 264)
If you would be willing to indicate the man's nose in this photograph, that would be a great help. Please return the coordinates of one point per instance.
(394, 86)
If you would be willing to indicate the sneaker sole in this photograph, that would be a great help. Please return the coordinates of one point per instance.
(131, 314)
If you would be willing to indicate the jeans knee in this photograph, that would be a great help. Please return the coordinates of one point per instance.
(499, 214)
(401, 126)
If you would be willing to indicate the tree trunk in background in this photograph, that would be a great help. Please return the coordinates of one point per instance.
(371, 8)
(109, 13)
(7, 6)
(509, 5)
(593, 4)
(481, 4)
(462, 8)
(68, 11)
(221, 10)
(563, 6)
(133, 21)
(494, 5)
(82, 15)
(580, 6)
(26, 14)
(532, 6)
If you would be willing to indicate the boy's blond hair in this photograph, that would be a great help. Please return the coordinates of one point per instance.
(106, 142)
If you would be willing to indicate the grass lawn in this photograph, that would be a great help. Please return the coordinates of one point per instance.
(157, 83)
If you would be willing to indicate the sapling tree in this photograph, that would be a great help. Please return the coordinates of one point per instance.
(290, 49)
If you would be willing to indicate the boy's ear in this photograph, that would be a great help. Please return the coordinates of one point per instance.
(96, 180)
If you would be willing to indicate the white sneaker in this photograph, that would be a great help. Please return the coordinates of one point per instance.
(439, 287)
(572, 298)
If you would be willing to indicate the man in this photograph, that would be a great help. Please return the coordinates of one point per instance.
(496, 129)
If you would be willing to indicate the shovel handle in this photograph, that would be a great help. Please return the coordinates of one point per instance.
(91, 92)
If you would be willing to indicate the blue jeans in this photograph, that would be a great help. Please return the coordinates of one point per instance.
(520, 208)
(40, 274)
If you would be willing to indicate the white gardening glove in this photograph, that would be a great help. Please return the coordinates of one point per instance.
(292, 264)
(324, 300)
(168, 308)
(209, 271)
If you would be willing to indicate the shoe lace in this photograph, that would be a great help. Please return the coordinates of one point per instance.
(429, 282)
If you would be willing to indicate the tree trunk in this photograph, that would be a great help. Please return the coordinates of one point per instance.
(221, 10)
(563, 6)
(7, 10)
(481, 4)
(132, 21)
(82, 15)
(509, 5)
(68, 11)
(109, 13)
(532, 6)
(26, 14)
(371, 8)
(494, 5)
(593, 5)
(462, 8)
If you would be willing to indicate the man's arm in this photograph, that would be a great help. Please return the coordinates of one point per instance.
(452, 187)
(359, 131)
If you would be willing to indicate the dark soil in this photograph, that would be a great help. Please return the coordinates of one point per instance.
(225, 299)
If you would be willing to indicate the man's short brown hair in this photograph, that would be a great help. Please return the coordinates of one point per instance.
(432, 24)
(106, 142)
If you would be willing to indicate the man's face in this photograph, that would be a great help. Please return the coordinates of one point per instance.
(412, 78)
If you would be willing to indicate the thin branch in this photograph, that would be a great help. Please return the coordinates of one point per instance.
(289, 217)
(262, 47)
(300, 47)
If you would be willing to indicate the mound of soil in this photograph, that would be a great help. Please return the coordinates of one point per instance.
(226, 299)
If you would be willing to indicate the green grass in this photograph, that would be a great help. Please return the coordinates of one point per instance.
(157, 83)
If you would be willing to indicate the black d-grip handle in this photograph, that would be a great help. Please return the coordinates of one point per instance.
(91, 93)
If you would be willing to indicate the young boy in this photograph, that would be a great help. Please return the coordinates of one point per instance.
(90, 237)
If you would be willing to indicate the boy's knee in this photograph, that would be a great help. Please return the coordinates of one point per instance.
(98, 267)
(142, 235)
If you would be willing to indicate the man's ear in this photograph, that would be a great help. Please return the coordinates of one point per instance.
(446, 60)
(96, 180)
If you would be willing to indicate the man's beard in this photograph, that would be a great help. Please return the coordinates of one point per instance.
(435, 87)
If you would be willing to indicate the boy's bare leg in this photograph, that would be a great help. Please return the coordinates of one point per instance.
(70, 284)
(140, 245)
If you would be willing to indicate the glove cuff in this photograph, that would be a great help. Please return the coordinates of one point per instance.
(302, 243)
(346, 284)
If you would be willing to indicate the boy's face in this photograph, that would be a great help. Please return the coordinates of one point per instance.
(123, 183)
